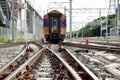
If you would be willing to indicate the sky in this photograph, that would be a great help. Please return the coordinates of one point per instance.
(80, 17)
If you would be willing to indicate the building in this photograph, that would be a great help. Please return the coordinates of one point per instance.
(27, 21)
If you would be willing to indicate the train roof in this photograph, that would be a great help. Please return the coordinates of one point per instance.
(54, 11)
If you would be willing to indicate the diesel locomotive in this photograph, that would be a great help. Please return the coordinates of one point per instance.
(54, 26)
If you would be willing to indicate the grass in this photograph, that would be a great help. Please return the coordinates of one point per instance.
(109, 38)
(20, 40)
(5, 40)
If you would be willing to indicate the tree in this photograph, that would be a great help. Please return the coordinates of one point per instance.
(92, 29)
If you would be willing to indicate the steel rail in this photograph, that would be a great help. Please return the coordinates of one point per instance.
(12, 75)
(110, 49)
(5, 66)
(71, 70)
(93, 76)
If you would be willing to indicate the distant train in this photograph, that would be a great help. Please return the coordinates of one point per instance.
(54, 26)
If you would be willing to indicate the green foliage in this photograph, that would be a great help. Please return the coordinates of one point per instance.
(102, 18)
(4, 40)
(23, 40)
(20, 40)
(1, 40)
(92, 29)
(8, 41)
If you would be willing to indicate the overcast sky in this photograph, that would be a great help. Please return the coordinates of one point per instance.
(79, 17)
(43, 4)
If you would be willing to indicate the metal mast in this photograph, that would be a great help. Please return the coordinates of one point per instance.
(70, 20)
(12, 14)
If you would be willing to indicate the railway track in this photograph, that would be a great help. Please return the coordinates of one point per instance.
(103, 48)
(54, 63)
(16, 61)
(50, 64)
(11, 44)
(79, 67)
(18, 43)
(103, 64)
(102, 43)
(107, 43)
(44, 65)
(7, 54)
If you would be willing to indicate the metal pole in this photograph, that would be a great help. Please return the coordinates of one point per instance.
(12, 14)
(70, 20)
(106, 26)
(47, 10)
(82, 32)
(65, 10)
(77, 33)
(107, 20)
(117, 18)
(100, 24)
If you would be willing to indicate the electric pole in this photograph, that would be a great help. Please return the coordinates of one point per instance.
(118, 18)
(107, 19)
(13, 1)
(100, 23)
(70, 20)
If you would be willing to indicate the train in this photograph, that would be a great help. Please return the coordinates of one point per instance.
(54, 26)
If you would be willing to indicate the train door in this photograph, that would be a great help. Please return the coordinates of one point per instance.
(54, 26)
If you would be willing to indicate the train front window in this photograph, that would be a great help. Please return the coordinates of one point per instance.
(55, 23)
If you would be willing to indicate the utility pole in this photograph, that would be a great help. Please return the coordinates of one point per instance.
(82, 32)
(77, 33)
(65, 10)
(106, 26)
(118, 19)
(13, 1)
(100, 22)
(107, 20)
(70, 20)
